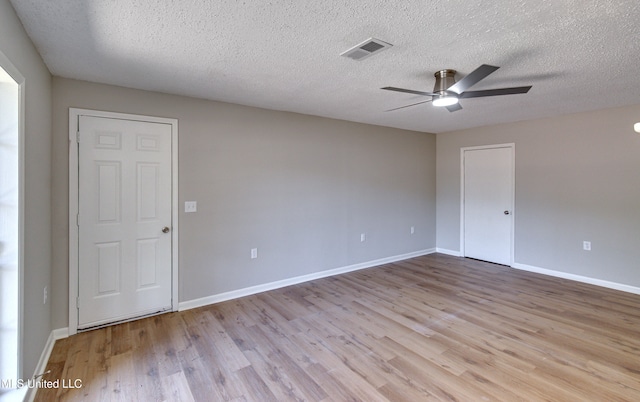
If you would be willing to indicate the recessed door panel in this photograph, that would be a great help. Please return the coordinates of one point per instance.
(109, 267)
(147, 182)
(147, 264)
(108, 191)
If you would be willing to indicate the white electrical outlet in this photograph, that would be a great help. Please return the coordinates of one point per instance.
(586, 245)
(45, 295)
(363, 237)
(190, 206)
(254, 253)
(413, 230)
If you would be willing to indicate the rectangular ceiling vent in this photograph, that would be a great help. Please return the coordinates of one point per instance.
(365, 49)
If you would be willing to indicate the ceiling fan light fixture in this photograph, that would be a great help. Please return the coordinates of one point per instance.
(445, 100)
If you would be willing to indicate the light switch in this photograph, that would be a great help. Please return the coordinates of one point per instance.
(190, 206)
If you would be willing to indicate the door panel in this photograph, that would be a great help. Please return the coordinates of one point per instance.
(488, 210)
(108, 268)
(108, 181)
(147, 255)
(124, 258)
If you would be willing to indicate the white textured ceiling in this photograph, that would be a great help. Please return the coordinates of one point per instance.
(579, 55)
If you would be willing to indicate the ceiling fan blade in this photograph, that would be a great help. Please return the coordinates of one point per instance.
(409, 91)
(454, 108)
(472, 78)
(495, 92)
(402, 107)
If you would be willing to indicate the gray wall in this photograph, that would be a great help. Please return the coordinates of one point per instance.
(577, 178)
(17, 47)
(299, 188)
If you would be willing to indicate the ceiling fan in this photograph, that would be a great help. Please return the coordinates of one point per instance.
(447, 92)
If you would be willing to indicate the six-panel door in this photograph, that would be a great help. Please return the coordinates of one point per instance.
(124, 205)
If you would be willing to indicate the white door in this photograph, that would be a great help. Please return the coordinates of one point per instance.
(124, 219)
(488, 203)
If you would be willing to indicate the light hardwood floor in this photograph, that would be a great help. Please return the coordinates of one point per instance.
(430, 328)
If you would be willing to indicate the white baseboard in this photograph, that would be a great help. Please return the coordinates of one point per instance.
(60, 333)
(448, 252)
(56, 334)
(578, 278)
(234, 294)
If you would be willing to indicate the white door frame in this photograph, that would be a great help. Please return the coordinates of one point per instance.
(513, 194)
(74, 115)
(19, 79)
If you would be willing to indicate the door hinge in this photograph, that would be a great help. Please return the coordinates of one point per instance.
(78, 137)
(78, 219)
(78, 302)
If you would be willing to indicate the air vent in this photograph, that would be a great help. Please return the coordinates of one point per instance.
(366, 49)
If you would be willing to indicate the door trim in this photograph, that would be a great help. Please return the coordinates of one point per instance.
(74, 114)
(512, 146)
(19, 79)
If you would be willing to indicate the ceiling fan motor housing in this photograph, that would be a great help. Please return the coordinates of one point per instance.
(444, 79)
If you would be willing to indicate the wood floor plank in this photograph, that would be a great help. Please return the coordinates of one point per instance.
(231, 356)
(335, 390)
(274, 377)
(294, 374)
(428, 348)
(122, 376)
(176, 388)
(199, 375)
(120, 339)
(430, 328)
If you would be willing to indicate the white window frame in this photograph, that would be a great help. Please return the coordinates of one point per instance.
(15, 74)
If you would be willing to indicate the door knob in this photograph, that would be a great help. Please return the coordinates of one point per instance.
(505, 212)
(165, 229)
